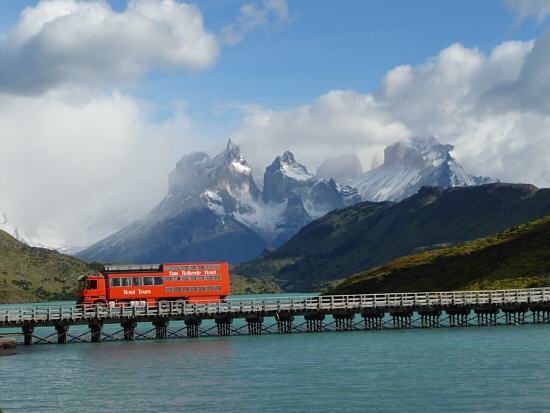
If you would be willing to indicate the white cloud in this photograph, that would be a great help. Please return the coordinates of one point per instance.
(539, 9)
(254, 15)
(74, 166)
(88, 43)
(341, 120)
(495, 108)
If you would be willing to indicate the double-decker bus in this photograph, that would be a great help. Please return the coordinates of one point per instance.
(156, 283)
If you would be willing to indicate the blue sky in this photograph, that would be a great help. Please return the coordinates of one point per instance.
(92, 88)
(319, 49)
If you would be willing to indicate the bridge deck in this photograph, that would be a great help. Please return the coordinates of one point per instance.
(343, 308)
(271, 306)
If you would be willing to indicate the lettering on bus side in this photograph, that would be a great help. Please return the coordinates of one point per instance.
(177, 273)
(134, 292)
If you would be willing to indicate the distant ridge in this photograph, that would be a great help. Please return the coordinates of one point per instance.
(369, 234)
(516, 258)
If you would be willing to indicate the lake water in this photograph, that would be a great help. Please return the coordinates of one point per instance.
(475, 369)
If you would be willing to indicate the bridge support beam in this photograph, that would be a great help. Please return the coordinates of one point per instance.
(401, 317)
(28, 329)
(344, 320)
(541, 312)
(129, 327)
(284, 322)
(161, 327)
(95, 330)
(373, 318)
(255, 324)
(315, 322)
(429, 316)
(62, 327)
(486, 314)
(192, 325)
(223, 322)
(458, 315)
(515, 313)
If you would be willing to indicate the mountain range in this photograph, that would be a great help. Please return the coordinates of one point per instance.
(215, 211)
(357, 238)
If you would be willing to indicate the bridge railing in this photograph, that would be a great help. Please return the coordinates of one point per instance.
(270, 304)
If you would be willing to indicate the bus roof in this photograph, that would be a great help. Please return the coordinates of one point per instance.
(133, 268)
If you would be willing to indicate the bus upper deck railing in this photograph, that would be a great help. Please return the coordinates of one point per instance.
(240, 307)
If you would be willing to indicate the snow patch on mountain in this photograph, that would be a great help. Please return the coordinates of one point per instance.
(412, 164)
(7, 227)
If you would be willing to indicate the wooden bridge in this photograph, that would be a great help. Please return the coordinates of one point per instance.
(281, 315)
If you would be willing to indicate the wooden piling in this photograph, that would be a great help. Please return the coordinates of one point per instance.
(129, 328)
(161, 327)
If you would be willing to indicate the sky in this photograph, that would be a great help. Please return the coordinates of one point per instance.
(99, 99)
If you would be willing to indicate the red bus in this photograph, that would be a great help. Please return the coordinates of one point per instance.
(151, 284)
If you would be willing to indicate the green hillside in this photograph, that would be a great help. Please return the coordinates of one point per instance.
(29, 274)
(516, 258)
(369, 234)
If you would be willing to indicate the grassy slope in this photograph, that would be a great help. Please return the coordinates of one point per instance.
(366, 235)
(36, 274)
(244, 285)
(516, 258)
(30, 274)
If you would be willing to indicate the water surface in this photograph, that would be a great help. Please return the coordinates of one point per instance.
(504, 369)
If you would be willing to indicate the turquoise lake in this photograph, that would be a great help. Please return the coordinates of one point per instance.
(475, 369)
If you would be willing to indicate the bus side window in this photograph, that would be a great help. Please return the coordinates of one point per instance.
(137, 281)
(147, 280)
(126, 282)
(115, 282)
(159, 280)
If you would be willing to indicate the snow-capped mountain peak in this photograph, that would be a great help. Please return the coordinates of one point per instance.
(7, 227)
(412, 164)
(287, 166)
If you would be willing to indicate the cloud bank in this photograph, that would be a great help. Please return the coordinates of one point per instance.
(74, 168)
(495, 108)
(62, 42)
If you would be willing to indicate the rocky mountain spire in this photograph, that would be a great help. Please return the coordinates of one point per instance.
(412, 164)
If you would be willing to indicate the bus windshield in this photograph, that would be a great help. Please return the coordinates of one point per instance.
(91, 284)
